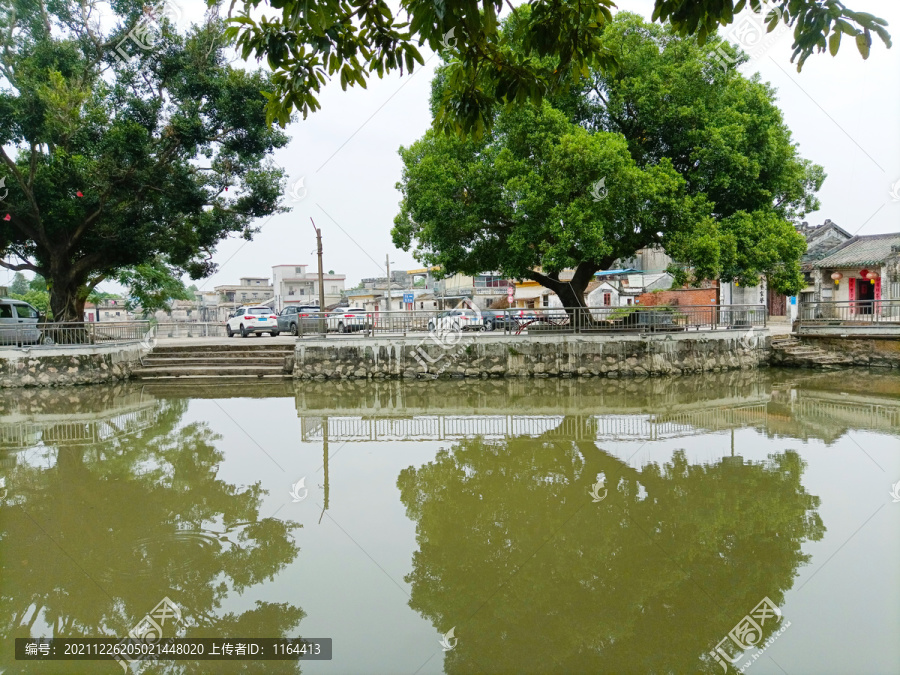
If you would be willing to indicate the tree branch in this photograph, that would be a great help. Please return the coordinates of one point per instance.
(24, 266)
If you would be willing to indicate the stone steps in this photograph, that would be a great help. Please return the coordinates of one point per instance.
(793, 352)
(216, 362)
(206, 372)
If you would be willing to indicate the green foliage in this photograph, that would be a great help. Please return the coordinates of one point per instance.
(38, 299)
(152, 286)
(556, 42)
(818, 24)
(117, 163)
(19, 284)
(669, 151)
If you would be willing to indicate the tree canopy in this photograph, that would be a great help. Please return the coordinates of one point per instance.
(670, 151)
(306, 44)
(120, 162)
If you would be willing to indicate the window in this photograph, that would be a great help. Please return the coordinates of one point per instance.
(607, 299)
(26, 312)
(628, 301)
(546, 301)
(298, 270)
(302, 292)
(259, 311)
(117, 313)
(334, 290)
(243, 296)
(254, 295)
(291, 290)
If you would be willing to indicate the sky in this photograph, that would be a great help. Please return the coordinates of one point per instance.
(844, 113)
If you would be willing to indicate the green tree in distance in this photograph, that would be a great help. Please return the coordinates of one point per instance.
(537, 577)
(558, 41)
(19, 284)
(669, 152)
(110, 164)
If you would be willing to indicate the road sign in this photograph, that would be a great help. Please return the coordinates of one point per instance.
(409, 297)
(510, 293)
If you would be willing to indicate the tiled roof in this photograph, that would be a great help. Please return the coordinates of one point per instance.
(871, 249)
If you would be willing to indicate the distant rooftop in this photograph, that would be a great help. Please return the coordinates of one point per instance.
(872, 249)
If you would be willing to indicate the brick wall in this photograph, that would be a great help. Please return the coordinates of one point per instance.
(682, 296)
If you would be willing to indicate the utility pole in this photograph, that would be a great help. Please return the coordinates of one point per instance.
(321, 277)
(387, 263)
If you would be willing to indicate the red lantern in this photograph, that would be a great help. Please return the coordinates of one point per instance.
(837, 276)
(871, 276)
(863, 272)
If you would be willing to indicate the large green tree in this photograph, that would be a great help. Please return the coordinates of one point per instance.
(114, 162)
(307, 44)
(670, 152)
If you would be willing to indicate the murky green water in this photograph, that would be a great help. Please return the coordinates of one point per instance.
(555, 526)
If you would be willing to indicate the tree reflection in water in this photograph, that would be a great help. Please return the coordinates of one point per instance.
(537, 577)
(96, 540)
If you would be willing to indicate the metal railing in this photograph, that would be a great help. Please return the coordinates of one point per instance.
(849, 312)
(553, 320)
(73, 334)
(190, 329)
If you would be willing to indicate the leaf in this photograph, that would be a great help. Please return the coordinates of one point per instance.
(862, 43)
(834, 42)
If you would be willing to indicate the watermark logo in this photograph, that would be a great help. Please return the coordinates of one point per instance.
(749, 340)
(748, 633)
(750, 33)
(448, 642)
(147, 31)
(895, 191)
(295, 490)
(3, 189)
(151, 627)
(298, 191)
(896, 492)
(446, 330)
(148, 342)
(599, 191)
(595, 490)
(449, 42)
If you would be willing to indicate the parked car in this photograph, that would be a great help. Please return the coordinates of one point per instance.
(252, 319)
(456, 320)
(349, 319)
(500, 319)
(296, 317)
(19, 323)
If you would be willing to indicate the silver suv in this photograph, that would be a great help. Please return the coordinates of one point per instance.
(18, 323)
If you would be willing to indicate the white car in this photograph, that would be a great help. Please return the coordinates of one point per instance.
(348, 319)
(253, 319)
(456, 320)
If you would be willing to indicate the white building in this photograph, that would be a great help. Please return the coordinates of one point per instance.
(295, 285)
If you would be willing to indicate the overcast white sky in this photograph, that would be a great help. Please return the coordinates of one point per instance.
(844, 113)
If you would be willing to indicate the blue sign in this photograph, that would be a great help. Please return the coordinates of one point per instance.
(793, 299)
(409, 297)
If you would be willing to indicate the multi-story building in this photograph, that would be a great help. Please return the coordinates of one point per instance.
(250, 290)
(295, 285)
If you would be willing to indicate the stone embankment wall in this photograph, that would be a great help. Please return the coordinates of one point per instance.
(876, 352)
(544, 356)
(59, 366)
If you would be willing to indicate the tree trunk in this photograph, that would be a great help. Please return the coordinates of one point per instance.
(571, 293)
(67, 307)
(64, 302)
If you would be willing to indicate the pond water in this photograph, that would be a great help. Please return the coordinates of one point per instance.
(570, 526)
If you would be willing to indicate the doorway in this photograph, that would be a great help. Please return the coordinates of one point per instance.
(865, 293)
